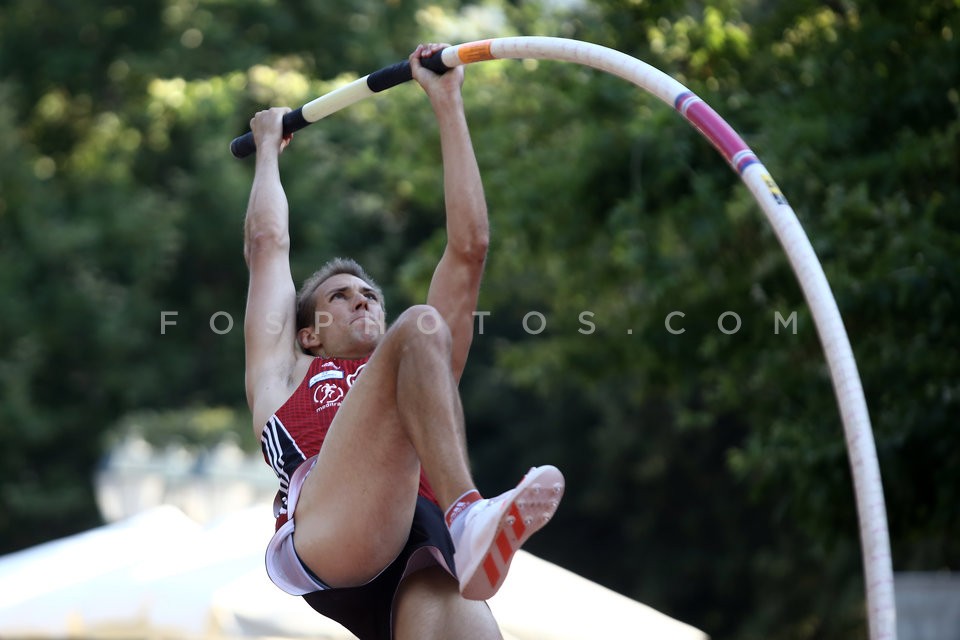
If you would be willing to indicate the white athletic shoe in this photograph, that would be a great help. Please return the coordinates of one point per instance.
(488, 534)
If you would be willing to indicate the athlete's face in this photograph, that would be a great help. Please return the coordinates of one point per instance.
(349, 317)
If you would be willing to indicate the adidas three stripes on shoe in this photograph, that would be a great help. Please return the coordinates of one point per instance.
(488, 532)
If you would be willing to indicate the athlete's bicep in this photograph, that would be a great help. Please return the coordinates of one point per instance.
(453, 292)
(269, 321)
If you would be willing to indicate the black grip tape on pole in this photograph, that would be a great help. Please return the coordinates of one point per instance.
(400, 72)
(243, 146)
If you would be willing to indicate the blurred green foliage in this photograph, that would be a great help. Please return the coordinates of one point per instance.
(707, 472)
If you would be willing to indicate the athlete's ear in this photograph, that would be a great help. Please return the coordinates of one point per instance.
(309, 339)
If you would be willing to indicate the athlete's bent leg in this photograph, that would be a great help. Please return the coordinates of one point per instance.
(404, 410)
(428, 401)
(429, 607)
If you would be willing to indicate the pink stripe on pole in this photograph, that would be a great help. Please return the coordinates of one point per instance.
(715, 128)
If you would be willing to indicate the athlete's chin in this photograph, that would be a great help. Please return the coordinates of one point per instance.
(369, 333)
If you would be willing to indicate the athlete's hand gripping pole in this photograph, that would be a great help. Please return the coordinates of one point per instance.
(346, 95)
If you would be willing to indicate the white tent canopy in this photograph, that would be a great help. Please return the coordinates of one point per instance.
(160, 575)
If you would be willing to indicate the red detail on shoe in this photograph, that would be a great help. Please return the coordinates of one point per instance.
(503, 545)
(518, 525)
(462, 503)
(490, 568)
(485, 565)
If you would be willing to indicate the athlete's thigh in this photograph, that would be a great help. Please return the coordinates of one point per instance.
(425, 614)
(355, 508)
(429, 607)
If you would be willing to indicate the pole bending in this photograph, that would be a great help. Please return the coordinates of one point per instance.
(861, 448)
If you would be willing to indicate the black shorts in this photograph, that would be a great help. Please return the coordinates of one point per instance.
(367, 610)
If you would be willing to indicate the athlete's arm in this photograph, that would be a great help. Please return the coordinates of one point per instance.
(456, 280)
(269, 322)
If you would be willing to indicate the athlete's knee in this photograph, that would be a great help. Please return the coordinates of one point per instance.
(423, 324)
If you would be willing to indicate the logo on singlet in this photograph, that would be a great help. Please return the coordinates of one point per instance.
(327, 395)
(353, 376)
(326, 375)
